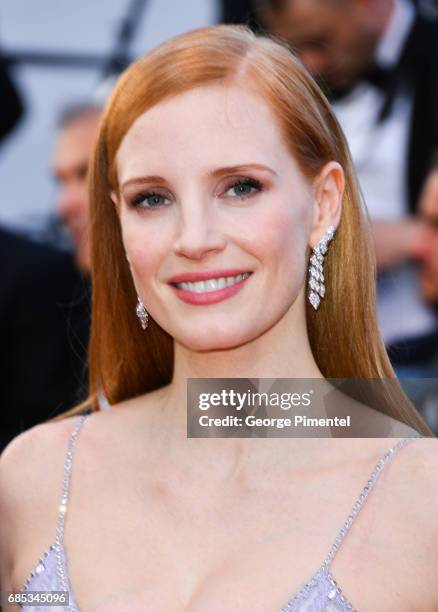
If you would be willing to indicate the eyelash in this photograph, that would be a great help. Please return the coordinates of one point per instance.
(137, 201)
(256, 184)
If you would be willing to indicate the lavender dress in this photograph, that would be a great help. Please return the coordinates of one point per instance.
(320, 594)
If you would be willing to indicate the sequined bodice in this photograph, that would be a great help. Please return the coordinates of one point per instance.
(320, 594)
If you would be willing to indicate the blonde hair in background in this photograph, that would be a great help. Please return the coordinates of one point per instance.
(343, 332)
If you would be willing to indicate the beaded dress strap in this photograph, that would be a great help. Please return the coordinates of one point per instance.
(63, 504)
(362, 497)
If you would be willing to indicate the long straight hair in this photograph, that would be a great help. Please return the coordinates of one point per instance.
(344, 334)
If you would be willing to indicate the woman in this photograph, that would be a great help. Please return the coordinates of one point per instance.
(219, 157)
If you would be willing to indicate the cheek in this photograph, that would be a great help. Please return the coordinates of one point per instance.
(145, 248)
(280, 236)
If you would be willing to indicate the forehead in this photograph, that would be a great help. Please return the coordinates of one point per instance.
(202, 128)
(308, 18)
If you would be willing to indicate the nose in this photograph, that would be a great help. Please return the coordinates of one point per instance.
(315, 61)
(198, 234)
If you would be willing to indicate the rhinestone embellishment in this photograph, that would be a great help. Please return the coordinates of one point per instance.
(323, 592)
(316, 274)
(314, 299)
(142, 313)
(332, 594)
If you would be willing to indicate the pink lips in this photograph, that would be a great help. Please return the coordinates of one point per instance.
(207, 297)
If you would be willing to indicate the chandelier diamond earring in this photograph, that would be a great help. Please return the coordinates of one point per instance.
(316, 271)
(142, 313)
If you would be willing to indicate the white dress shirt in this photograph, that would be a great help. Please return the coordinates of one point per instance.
(379, 151)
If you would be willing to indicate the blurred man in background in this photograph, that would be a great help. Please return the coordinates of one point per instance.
(71, 156)
(376, 60)
(335, 39)
(76, 136)
(45, 295)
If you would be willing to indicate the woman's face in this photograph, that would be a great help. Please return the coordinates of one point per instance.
(209, 191)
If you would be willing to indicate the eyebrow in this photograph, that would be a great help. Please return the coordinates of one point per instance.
(211, 174)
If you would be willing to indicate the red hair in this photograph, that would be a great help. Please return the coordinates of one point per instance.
(343, 333)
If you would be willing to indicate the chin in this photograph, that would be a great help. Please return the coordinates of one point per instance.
(211, 341)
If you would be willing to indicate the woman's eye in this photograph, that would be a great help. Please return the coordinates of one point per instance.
(149, 200)
(244, 188)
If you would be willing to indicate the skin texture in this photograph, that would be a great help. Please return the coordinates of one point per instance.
(225, 533)
(206, 226)
(335, 39)
(427, 248)
(221, 520)
(71, 156)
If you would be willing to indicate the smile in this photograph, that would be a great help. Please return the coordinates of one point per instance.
(211, 290)
(212, 284)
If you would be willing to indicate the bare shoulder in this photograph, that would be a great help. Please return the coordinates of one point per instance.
(26, 457)
(421, 459)
(31, 472)
(416, 471)
(417, 466)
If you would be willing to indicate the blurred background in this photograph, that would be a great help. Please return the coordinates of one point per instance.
(58, 53)
(376, 60)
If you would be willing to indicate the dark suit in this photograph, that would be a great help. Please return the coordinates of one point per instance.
(44, 326)
(11, 102)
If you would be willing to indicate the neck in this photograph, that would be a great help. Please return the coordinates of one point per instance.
(283, 351)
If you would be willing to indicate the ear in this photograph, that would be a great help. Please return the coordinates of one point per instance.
(115, 198)
(327, 208)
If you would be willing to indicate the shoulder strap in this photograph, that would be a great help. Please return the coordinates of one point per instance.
(362, 497)
(66, 482)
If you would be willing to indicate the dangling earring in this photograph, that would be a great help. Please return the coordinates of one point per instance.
(142, 313)
(316, 274)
